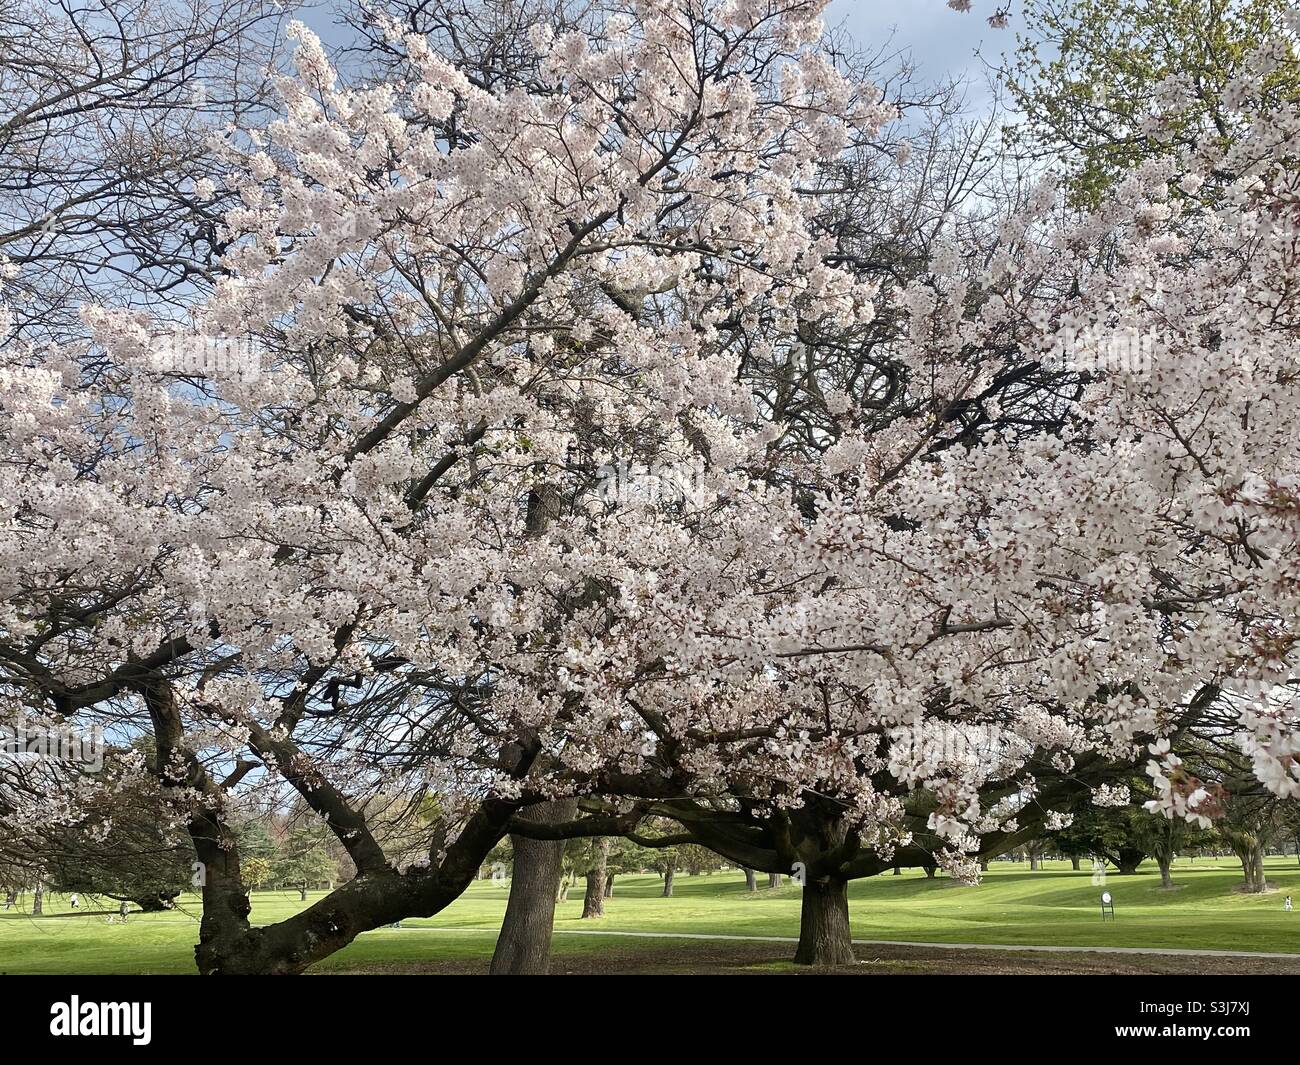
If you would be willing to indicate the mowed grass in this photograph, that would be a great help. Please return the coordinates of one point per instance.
(1053, 907)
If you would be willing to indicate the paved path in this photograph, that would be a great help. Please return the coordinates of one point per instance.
(1177, 951)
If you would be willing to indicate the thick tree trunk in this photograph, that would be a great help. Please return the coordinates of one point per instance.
(984, 865)
(824, 937)
(751, 881)
(302, 892)
(593, 902)
(930, 871)
(668, 882)
(378, 895)
(524, 944)
(774, 880)
(898, 870)
(1074, 862)
(609, 885)
(38, 901)
(1166, 877)
(1250, 852)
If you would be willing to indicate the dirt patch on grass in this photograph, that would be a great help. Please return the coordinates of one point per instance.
(759, 959)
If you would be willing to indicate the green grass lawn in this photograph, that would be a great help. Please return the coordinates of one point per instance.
(1055, 906)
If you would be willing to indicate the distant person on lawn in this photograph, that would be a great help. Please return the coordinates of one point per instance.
(72, 900)
(122, 911)
(1286, 904)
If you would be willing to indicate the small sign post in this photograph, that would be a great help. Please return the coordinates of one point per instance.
(1107, 906)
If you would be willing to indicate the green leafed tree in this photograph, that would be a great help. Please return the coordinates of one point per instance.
(1106, 84)
(257, 872)
(624, 857)
(1118, 835)
(303, 862)
(696, 859)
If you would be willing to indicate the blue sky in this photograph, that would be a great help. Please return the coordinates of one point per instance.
(942, 41)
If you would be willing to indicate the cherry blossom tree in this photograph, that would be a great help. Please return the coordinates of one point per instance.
(321, 535)
(1069, 595)
(474, 478)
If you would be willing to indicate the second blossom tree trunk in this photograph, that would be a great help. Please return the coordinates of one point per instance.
(593, 902)
(824, 937)
(524, 945)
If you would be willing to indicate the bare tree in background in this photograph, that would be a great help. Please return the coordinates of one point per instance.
(111, 108)
(488, 40)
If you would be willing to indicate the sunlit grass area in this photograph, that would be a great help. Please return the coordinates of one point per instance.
(1054, 906)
